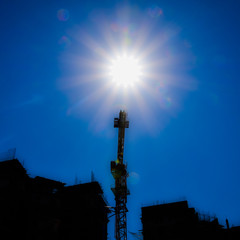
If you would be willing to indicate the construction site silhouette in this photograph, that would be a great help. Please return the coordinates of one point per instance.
(40, 208)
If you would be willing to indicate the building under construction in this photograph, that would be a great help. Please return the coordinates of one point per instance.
(40, 208)
(177, 221)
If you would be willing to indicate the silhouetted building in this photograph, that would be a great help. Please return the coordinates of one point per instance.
(233, 233)
(88, 221)
(178, 221)
(13, 199)
(40, 208)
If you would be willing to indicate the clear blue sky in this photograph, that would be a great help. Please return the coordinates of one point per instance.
(57, 104)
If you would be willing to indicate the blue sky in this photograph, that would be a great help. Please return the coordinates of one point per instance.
(57, 102)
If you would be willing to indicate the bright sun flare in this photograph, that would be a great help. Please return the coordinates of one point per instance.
(125, 70)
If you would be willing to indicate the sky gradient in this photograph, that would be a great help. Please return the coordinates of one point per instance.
(57, 101)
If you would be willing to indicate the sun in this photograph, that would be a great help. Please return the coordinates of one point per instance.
(127, 66)
(125, 70)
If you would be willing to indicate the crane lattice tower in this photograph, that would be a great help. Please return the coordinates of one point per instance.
(120, 174)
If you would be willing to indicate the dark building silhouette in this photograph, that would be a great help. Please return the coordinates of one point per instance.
(178, 221)
(40, 208)
(93, 221)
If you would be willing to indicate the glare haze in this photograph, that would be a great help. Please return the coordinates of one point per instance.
(58, 100)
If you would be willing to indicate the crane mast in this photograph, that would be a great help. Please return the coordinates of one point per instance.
(120, 174)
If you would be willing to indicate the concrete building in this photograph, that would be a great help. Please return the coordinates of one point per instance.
(177, 221)
(40, 208)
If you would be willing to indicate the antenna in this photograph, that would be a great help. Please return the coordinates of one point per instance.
(92, 177)
(8, 155)
(76, 180)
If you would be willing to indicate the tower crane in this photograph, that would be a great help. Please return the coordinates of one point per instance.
(120, 174)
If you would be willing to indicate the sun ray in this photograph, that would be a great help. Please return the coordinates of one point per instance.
(99, 120)
(147, 117)
(125, 65)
